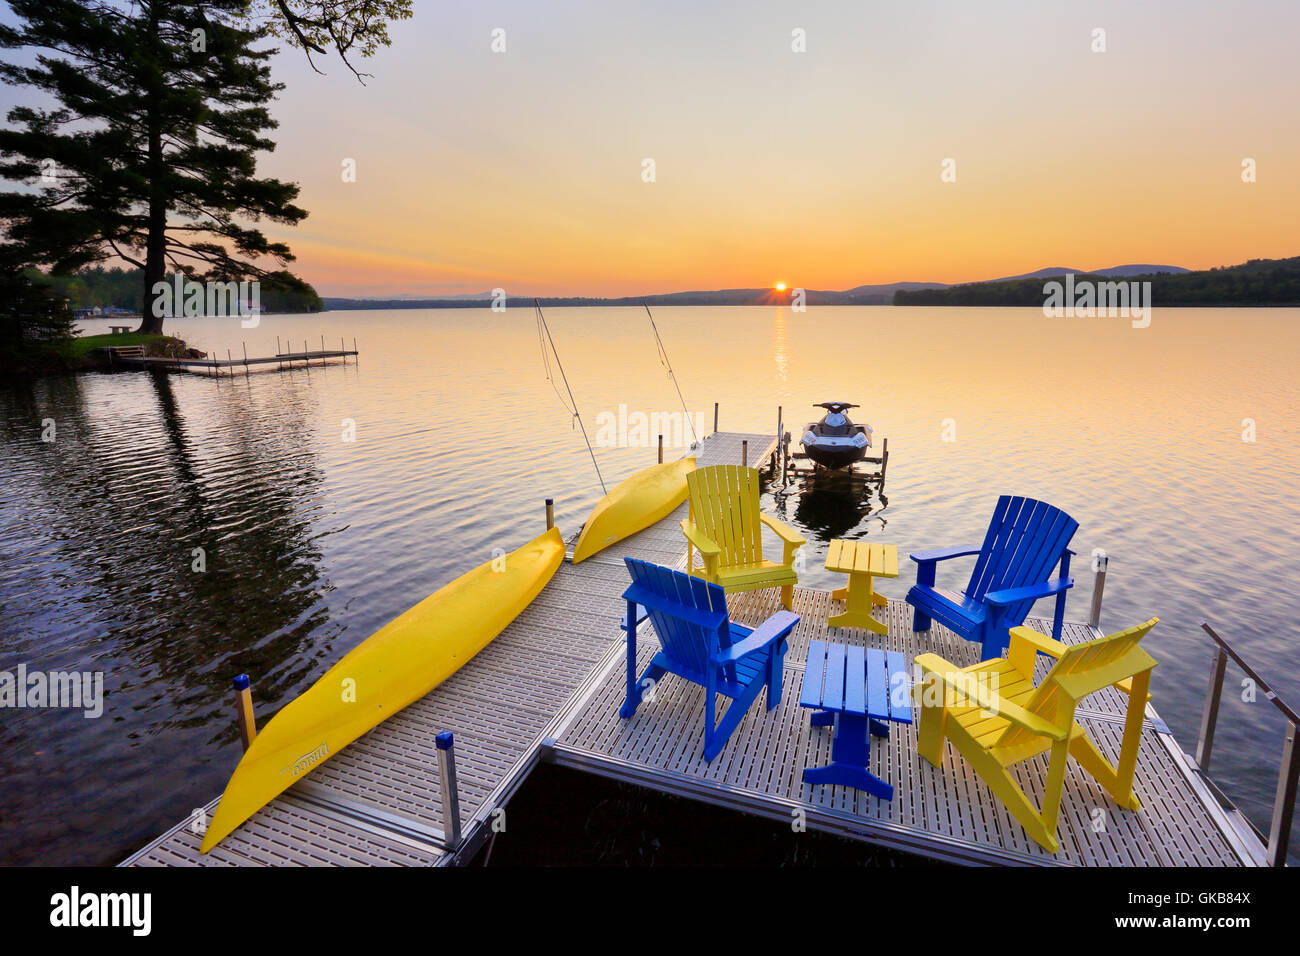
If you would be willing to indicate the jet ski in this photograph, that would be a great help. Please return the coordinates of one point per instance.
(835, 442)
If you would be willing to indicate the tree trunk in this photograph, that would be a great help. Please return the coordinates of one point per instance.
(155, 262)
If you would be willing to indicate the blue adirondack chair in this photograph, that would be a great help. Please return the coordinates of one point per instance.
(699, 643)
(1025, 540)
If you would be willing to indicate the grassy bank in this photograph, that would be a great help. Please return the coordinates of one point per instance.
(77, 354)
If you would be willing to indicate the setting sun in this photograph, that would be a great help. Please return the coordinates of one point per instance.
(780, 287)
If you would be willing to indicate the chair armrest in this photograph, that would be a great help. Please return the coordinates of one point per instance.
(943, 554)
(1026, 645)
(774, 629)
(1031, 592)
(980, 696)
(786, 533)
(1041, 643)
(703, 542)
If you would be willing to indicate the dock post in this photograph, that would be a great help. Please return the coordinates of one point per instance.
(447, 783)
(550, 513)
(244, 345)
(356, 356)
(344, 349)
(884, 461)
(744, 453)
(661, 449)
(1099, 560)
(780, 428)
(1279, 833)
(244, 710)
(279, 366)
(1210, 716)
(715, 418)
(322, 350)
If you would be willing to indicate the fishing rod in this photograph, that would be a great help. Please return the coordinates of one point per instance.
(544, 337)
(664, 361)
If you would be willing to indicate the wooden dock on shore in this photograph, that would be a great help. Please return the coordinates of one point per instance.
(549, 688)
(132, 356)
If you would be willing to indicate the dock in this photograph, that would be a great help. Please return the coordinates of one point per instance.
(132, 356)
(548, 688)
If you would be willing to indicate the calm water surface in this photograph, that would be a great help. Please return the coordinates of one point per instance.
(312, 542)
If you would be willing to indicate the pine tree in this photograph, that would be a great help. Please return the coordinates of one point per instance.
(148, 152)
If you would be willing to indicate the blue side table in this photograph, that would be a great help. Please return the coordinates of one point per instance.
(859, 690)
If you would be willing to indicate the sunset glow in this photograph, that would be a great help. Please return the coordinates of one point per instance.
(525, 169)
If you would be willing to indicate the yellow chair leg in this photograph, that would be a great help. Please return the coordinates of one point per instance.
(787, 597)
(1053, 788)
(1102, 770)
(929, 735)
(1128, 752)
(1006, 789)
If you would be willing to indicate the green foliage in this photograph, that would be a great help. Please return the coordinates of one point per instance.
(150, 153)
(345, 26)
(99, 287)
(33, 316)
(1257, 282)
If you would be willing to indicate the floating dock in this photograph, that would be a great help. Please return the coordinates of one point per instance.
(549, 688)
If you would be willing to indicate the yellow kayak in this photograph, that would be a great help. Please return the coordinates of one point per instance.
(634, 504)
(395, 666)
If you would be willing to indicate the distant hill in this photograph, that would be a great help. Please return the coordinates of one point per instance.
(878, 294)
(1257, 282)
(1112, 272)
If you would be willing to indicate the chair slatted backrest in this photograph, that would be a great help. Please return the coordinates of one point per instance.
(689, 639)
(724, 506)
(1082, 670)
(1024, 542)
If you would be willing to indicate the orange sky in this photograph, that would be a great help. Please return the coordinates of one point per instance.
(523, 169)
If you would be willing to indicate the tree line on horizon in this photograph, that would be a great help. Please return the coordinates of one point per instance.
(97, 286)
(1258, 282)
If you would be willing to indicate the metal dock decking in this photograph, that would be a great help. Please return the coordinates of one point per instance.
(549, 687)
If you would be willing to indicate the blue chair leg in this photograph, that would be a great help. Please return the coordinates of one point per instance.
(715, 738)
(652, 674)
(993, 641)
(920, 621)
(1059, 617)
(775, 667)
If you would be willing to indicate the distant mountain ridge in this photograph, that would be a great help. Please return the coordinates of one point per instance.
(880, 294)
(1258, 282)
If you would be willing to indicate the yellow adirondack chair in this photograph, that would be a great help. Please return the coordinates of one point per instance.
(996, 717)
(724, 526)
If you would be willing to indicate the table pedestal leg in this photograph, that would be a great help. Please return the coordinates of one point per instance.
(859, 598)
(849, 753)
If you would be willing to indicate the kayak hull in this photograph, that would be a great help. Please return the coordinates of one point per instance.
(635, 503)
(395, 666)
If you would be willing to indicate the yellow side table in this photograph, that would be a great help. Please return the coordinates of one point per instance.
(862, 561)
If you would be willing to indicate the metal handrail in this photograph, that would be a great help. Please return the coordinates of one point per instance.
(1288, 774)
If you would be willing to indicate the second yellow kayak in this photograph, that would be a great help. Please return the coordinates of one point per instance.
(395, 666)
(634, 504)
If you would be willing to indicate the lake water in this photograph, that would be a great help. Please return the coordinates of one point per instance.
(312, 541)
